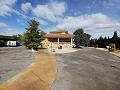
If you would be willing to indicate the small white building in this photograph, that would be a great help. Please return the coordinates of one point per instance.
(11, 43)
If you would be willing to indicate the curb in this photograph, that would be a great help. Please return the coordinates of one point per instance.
(115, 54)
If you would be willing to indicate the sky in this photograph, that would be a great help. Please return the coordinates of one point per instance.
(96, 17)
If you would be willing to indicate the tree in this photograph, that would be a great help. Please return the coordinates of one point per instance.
(42, 33)
(118, 43)
(103, 42)
(32, 36)
(81, 38)
(115, 37)
(100, 42)
(20, 36)
(92, 42)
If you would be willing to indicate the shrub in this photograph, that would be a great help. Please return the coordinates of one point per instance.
(53, 50)
(112, 47)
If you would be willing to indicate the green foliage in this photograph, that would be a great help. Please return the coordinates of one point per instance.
(115, 36)
(118, 43)
(112, 47)
(81, 38)
(14, 37)
(92, 43)
(103, 42)
(53, 50)
(33, 36)
(42, 33)
(20, 37)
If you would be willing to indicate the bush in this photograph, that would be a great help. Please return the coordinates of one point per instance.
(112, 47)
(53, 50)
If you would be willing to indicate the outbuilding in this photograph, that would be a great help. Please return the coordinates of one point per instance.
(11, 43)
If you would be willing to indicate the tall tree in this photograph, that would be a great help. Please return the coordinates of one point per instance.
(100, 42)
(81, 38)
(118, 43)
(32, 36)
(115, 37)
(103, 42)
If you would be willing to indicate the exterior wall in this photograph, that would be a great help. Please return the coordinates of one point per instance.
(60, 39)
(45, 43)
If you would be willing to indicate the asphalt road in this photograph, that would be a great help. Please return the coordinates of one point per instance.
(13, 60)
(87, 69)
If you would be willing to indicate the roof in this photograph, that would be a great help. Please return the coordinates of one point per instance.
(59, 35)
(58, 31)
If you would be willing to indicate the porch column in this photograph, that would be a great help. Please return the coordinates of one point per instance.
(71, 41)
(58, 40)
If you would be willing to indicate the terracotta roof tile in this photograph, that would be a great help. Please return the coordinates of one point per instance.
(59, 31)
(59, 35)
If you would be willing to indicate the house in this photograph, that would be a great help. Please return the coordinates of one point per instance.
(59, 38)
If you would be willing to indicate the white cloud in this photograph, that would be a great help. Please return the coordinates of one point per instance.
(118, 33)
(50, 11)
(108, 4)
(94, 24)
(111, 4)
(42, 22)
(6, 7)
(7, 2)
(24, 16)
(21, 21)
(3, 24)
(10, 32)
(26, 7)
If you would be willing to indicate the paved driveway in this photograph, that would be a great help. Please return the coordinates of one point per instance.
(87, 69)
(13, 60)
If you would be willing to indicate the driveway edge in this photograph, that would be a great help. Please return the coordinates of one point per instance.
(37, 76)
(115, 54)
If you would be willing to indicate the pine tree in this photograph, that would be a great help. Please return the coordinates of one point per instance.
(32, 36)
(115, 37)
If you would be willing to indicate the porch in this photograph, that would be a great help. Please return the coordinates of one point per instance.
(61, 41)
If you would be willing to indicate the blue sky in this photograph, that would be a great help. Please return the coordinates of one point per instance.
(96, 17)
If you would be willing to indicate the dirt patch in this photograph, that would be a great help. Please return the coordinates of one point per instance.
(13, 60)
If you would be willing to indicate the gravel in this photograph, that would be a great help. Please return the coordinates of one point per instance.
(13, 60)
